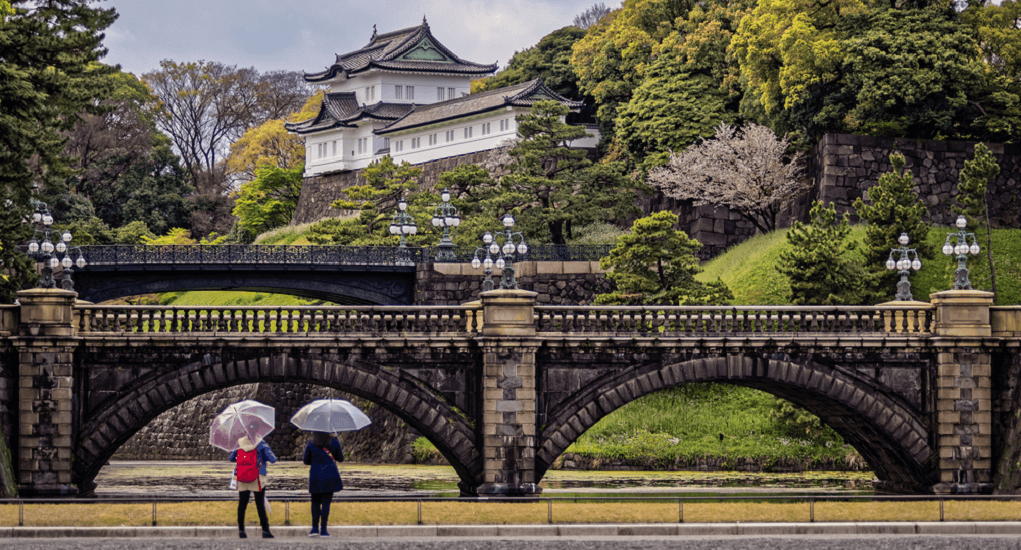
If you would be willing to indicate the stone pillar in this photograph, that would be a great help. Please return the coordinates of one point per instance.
(963, 391)
(508, 393)
(45, 347)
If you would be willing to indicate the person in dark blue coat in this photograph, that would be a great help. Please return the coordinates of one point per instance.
(322, 454)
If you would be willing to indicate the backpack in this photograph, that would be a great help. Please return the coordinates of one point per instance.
(248, 465)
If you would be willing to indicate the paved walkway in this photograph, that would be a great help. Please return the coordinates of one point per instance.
(518, 531)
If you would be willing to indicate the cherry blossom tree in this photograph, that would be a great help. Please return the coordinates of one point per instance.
(747, 170)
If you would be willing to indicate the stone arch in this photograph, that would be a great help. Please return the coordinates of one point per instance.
(883, 427)
(400, 393)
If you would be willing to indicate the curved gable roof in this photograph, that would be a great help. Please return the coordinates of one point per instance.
(524, 94)
(413, 49)
(341, 110)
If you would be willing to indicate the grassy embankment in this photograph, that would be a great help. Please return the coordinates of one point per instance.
(682, 427)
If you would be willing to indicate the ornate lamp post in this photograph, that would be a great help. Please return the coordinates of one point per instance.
(504, 254)
(403, 224)
(487, 283)
(42, 249)
(904, 266)
(961, 249)
(445, 216)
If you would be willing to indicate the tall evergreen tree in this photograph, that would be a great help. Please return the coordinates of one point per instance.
(818, 264)
(48, 76)
(555, 187)
(893, 208)
(971, 198)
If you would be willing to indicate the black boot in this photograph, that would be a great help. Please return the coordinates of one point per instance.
(241, 533)
(266, 534)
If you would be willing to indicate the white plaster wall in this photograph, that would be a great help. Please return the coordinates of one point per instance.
(460, 145)
(386, 82)
(315, 164)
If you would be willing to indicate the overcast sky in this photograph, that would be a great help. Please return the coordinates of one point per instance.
(304, 35)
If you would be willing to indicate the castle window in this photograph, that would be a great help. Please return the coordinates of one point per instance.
(467, 132)
(334, 147)
(450, 93)
(411, 92)
(486, 128)
(450, 136)
(399, 92)
(439, 94)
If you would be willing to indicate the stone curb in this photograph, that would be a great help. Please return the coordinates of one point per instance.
(561, 530)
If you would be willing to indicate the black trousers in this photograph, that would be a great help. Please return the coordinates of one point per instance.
(321, 510)
(260, 506)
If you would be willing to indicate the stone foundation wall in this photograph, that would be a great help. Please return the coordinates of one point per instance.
(182, 433)
(318, 192)
(843, 166)
(569, 283)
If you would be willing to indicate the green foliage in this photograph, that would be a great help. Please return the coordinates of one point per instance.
(290, 234)
(800, 422)
(655, 264)
(550, 60)
(176, 235)
(679, 426)
(598, 233)
(818, 264)
(269, 200)
(893, 208)
(553, 187)
(749, 270)
(971, 198)
(48, 77)
(94, 231)
(385, 184)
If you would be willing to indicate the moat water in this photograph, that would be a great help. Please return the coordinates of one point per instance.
(210, 479)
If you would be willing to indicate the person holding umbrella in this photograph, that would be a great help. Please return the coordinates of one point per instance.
(322, 454)
(240, 429)
(324, 417)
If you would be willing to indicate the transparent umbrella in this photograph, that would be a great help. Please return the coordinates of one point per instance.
(330, 415)
(247, 418)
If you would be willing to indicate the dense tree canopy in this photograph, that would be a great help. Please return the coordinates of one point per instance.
(818, 264)
(656, 264)
(48, 76)
(550, 60)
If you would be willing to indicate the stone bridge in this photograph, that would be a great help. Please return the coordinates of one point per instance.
(503, 387)
(339, 274)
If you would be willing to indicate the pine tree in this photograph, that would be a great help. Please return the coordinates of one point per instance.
(895, 208)
(971, 198)
(818, 264)
(48, 76)
(656, 264)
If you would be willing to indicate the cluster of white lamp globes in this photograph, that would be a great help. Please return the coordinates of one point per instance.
(904, 263)
(47, 248)
(961, 249)
(447, 218)
(403, 224)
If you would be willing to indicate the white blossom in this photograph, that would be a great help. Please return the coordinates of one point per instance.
(747, 170)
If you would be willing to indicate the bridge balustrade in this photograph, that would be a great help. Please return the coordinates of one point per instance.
(253, 254)
(714, 320)
(376, 320)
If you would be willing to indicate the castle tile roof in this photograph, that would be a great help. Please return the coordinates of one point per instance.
(413, 49)
(341, 110)
(525, 94)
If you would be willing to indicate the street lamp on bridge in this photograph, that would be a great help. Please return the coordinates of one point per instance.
(403, 224)
(505, 254)
(904, 266)
(961, 249)
(44, 250)
(445, 216)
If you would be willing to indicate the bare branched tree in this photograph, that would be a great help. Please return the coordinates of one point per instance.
(747, 170)
(591, 16)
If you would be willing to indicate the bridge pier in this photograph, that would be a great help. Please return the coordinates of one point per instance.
(508, 394)
(45, 346)
(963, 391)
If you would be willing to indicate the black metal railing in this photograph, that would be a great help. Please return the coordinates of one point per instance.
(254, 254)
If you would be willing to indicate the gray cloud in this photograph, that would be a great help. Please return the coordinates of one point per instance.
(305, 34)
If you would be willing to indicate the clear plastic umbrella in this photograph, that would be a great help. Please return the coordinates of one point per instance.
(330, 415)
(247, 418)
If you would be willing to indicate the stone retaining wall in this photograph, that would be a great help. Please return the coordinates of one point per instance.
(570, 283)
(182, 433)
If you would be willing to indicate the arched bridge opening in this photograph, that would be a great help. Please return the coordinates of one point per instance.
(887, 428)
(111, 415)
